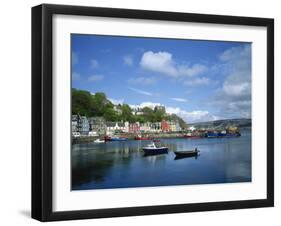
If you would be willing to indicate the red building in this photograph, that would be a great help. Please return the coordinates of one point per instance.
(134, 128)
(165, 127)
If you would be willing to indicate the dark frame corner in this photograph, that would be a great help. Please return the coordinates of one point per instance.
(42, 111)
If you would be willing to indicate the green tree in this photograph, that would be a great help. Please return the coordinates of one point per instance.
(126, 114)
(110, 115)
(159, 114)
(148, 114)
(174, 117)
(98, 104)
(85, 103)
(81, 102)
(138, 118)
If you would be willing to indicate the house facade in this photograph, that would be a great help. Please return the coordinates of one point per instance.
(98, 125)
(95, 126)
(113, 127)
(83, 125)
(145, 127)
(178, 128)
(165, 127)
(155, 127)
(134, 127)
(74, 123)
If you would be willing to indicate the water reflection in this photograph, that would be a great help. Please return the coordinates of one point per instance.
(184, 157)
(122, 164)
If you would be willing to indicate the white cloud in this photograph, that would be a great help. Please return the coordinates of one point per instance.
(198, 81)
(142, 81)
(192, 116)
(75, 76)
(139, 91)
(237, 89)
(95, 78)
(158, 62)
(194, 70)
(234, 97)
(179, 99)
(94, 63)
(162, 62)
(128, 60)
(116, 101)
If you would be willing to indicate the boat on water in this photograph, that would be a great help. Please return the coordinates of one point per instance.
(152, 149)
(107, 138)
(99, 141)
(142, 138)
(189, 135)
(212, 135)
(118, 139)
(222, 134)
(190, 153)
(237, 134)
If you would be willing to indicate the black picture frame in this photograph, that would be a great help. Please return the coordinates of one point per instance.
(42, 107)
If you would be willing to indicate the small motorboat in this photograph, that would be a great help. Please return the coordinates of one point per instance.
(190, 153)
(99, 141)
(152, 149)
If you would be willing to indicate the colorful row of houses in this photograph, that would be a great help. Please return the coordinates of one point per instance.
(98, 126)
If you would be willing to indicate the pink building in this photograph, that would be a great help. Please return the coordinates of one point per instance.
(165, 127)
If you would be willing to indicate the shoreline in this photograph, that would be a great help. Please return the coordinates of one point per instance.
(89, 139)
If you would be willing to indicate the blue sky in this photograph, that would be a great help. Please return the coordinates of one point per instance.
(198, 80)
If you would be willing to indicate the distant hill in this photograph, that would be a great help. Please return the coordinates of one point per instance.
(241, 123)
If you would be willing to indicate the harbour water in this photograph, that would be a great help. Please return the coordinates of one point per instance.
(122, 164)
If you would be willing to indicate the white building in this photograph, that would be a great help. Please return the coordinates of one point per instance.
(113, 127)
(192, 128)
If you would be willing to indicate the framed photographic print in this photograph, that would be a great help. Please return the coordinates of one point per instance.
(145, 112)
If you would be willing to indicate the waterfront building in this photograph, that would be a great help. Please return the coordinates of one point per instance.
(165, 127)
(110, 128)
(115, 127)
(126, 128)
(155, 127)
(83, 125)
(98, 125)
(74, 123)
(134, 127)
(178, 127)
(120, 127)
(172, 126)
(145, 127)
